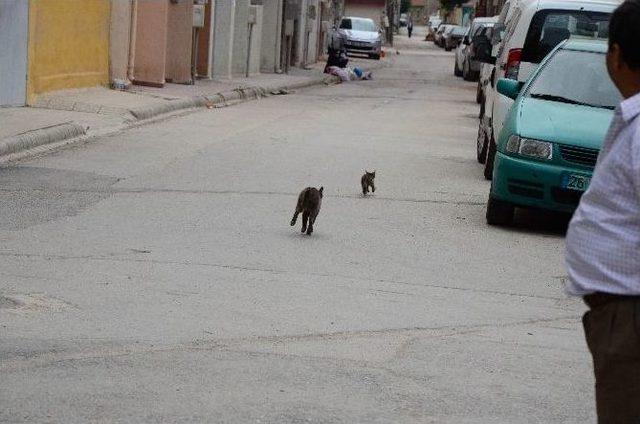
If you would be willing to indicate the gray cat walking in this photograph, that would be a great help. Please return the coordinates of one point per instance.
(308, 205)
(367, 181)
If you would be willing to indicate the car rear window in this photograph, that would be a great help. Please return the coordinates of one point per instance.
(549, 27)
(578, 77)
(480, 28)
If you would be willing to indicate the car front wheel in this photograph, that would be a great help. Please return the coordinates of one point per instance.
(481, 145)
(488, 164)
(465, 71)
(499, 212)
(456, 70)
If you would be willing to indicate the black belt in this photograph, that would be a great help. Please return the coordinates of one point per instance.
(596, 299)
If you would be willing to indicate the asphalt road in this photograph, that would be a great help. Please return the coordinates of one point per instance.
(152, 276)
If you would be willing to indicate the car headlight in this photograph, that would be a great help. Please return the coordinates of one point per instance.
(527, 147)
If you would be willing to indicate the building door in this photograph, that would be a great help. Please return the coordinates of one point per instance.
(14, 28)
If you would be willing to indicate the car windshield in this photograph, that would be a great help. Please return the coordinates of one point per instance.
(459, 31)
(576, 77)
(358, 25)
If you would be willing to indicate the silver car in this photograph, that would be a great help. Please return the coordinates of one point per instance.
(361, 36)
(465, 66)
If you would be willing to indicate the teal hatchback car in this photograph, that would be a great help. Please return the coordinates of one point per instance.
(550, 141)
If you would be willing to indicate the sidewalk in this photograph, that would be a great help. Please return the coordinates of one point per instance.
(64, 117)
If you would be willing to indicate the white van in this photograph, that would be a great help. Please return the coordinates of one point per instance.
(532, 29)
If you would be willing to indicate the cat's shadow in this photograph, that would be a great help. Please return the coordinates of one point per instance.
(297, 235)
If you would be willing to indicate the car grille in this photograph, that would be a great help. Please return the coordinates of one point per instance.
(526, 188)
(579, 155)
(363, 48)
(565, 196)
(527, 192)
(359, 43)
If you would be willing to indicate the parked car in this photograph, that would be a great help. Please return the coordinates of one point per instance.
(535, 28)
(403, 20)
(487, 70)
(433, 22)
(432, 26)
(361, 36)
(549, 144)
(453, 37)
(461, 51)
(438, 36)
(467, 66)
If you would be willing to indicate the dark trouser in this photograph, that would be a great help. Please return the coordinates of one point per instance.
(612, 330)
(410, 30)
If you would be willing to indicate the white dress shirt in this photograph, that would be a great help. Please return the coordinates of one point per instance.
(603, 240)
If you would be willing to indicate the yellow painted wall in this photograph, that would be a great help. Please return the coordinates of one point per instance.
(68, 45)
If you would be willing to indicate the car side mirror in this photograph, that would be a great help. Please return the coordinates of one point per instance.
(508, 87)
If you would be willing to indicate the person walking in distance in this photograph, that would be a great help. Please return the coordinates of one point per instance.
(410, 26)
(603, 239)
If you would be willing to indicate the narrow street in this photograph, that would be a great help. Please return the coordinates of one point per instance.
(152, 276)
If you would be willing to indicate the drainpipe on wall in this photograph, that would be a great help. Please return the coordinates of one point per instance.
(247, 73)
(252, 20)
(133, 25)
(212, 19)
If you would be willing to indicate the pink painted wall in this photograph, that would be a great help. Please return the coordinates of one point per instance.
(179, 41)
(151, 42)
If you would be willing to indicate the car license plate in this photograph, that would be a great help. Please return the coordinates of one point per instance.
(575, 182)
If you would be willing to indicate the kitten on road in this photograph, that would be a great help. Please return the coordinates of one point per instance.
(367, 181)
(308, 205)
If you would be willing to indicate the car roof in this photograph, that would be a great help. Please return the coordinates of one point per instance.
(585, 3)
(586, 44)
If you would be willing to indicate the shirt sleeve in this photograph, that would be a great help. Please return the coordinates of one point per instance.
(635, 157)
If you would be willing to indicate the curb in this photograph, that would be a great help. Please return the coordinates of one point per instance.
(147, 112)
(30, 139)
(228, 98)
(31, 143)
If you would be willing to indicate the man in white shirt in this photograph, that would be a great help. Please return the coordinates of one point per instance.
(603, 239)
